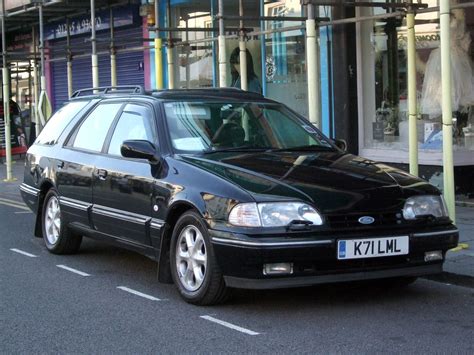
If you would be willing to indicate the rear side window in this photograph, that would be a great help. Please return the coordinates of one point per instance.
(92, 132)
(58, 122)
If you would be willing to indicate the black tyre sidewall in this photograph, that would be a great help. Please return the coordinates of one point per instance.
(192, 218)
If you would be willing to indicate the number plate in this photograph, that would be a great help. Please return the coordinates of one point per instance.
(372, 248)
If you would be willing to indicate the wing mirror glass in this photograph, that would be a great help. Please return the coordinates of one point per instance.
(140, 149)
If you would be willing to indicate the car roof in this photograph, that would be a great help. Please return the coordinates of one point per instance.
(215, 94)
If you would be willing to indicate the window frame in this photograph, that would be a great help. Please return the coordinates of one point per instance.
(113, 126)
(69, 142)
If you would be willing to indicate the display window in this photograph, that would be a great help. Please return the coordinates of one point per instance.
(383, 68)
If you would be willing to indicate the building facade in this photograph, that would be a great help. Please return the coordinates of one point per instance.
(361, 65)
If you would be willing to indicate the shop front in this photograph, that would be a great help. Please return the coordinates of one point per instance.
(383, 91)
(276, 55)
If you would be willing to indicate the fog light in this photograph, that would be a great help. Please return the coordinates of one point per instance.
(433, 255)
(278, 269)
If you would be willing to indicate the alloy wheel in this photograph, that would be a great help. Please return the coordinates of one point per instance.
(52, 220)
(191, 258)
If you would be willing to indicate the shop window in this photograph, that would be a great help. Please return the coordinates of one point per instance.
(385, 108)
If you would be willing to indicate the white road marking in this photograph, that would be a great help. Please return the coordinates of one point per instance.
(23, 253)
(144, 295)
(13, 203)
(22, 212)
(73, 270)
(229, 325)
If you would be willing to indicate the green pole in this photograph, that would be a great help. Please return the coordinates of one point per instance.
(158, 55)
(6, 101)
(412, 127)
(448, 190)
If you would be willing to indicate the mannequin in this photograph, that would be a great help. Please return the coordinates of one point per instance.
(461, 67)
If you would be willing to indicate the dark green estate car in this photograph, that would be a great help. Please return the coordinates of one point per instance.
(227, 189)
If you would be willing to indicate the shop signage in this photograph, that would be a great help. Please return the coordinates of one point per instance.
(82, 24)
(20, 41)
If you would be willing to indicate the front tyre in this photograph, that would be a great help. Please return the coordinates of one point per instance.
(57, 237)
(193, 265)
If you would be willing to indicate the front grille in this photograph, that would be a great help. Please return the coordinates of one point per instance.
(351, 220)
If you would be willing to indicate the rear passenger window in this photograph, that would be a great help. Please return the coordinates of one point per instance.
(134, 123)
(94, 129)
(58, 122)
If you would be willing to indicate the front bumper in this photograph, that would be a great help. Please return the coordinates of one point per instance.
(241, 258)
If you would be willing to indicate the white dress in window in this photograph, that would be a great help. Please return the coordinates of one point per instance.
(462, 81)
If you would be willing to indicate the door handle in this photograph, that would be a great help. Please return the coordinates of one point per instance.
(102, 174)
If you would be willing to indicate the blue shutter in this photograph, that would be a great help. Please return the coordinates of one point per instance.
(129, 66)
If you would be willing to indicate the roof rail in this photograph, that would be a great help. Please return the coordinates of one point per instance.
(104, 90)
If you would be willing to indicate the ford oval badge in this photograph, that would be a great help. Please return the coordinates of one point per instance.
(366, 220)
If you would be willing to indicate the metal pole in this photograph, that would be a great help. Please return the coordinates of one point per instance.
(113, 60)
(95, 60)
(222, 53)
(6, 101)
(69, 59)
(243, 51)
(263, 49)
(158, 55)
(312, 55)
(213, 44)
(412, 105)
(169, 52)
(187, 49)
(43, 95)
(35, 84)
(17, 91)
(448, 180)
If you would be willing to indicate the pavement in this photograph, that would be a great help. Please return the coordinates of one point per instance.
(459, 264)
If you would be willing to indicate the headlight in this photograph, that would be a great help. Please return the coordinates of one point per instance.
(418, 206)
(274, 214)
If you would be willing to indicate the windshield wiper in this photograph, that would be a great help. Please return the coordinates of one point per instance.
(305, 148)
(236, 149)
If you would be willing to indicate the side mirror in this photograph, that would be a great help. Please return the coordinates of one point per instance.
(140, 149)
(341, 144)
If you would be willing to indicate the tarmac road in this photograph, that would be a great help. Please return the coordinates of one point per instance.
(107, 300)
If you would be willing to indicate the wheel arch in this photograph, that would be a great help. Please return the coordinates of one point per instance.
(175, 212)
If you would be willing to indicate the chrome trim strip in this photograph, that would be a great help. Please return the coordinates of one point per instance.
(119, 214)
(156, 223)
(69, 202)
(29, 189)
(269, 244)
(436, 233)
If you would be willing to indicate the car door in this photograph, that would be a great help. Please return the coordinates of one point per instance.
(123, 187)
(75, 163)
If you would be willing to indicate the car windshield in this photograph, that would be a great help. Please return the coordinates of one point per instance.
(196, 127)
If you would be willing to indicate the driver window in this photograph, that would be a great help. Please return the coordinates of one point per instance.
(135, 123)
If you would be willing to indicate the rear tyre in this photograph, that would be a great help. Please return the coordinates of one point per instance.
(57, 237)
(193, 265)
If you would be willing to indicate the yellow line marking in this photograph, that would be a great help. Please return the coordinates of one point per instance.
(460, 247)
